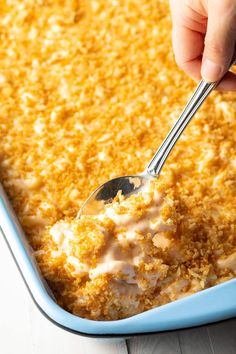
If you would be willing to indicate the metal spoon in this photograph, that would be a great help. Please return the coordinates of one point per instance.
(132, 184)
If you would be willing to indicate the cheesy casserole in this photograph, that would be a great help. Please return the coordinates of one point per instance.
(88, 90)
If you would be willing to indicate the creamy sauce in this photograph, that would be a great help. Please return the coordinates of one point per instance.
(123, 253)
(228, 262)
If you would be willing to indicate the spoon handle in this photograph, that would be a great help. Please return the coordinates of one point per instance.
(199, 96)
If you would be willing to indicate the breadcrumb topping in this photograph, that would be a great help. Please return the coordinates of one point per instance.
(88, 91)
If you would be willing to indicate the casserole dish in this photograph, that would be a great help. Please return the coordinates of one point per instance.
(214, 304)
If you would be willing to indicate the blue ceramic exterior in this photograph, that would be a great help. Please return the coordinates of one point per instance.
(214, 304)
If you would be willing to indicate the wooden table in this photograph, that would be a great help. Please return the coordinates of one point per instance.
(24, 330)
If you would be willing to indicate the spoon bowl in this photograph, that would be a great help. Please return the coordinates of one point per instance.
(106, 193)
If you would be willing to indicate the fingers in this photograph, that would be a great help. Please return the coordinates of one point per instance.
(207, 59)
(189, 27)
(188, 47)
(219, 41)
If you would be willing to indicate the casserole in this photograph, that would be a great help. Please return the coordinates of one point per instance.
(84, 90)
(214, 304)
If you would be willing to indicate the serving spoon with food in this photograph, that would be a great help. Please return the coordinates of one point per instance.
(133, 184)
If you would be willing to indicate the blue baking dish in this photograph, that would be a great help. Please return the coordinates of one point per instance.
(211, 305)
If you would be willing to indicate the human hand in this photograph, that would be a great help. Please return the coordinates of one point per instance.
(204, 37)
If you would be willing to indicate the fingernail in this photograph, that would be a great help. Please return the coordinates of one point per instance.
(211, 71)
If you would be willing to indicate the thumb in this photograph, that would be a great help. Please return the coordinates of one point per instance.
(220, 39)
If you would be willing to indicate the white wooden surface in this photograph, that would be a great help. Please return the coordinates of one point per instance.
(24, 330)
